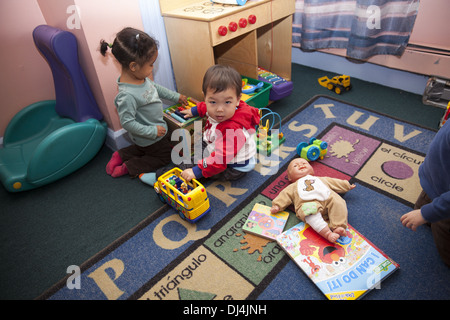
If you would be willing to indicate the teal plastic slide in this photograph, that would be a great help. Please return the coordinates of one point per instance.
(50, 139)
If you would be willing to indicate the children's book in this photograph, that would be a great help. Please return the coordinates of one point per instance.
(262, 223)
(345, 270)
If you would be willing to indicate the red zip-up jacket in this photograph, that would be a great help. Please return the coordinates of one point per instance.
(227, 138)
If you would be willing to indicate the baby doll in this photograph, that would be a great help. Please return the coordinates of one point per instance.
(315, 200)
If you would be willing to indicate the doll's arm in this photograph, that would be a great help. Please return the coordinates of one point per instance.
(338, 185)
(283, 200)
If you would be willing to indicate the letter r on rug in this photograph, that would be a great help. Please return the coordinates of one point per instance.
(223, 191)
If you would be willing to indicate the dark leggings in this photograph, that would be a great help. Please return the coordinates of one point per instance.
(440, 230)
(146, 159)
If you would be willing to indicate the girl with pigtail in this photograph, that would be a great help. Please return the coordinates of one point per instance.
(139, 105)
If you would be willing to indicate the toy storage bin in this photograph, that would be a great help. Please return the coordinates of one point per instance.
(280, 87)
(280, 91)
(189, 125)
(261, 98)
(174, 123)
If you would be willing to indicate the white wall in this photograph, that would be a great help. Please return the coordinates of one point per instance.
(370, 72)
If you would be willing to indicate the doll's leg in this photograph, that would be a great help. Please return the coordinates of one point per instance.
(321, 227)
(337, 214)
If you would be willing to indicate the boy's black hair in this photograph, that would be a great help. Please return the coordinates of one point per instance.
(131, 45)
(220, 78)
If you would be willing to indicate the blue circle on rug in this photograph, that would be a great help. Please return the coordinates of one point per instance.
(397, 170)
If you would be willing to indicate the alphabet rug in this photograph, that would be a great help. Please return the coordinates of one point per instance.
(167, 258)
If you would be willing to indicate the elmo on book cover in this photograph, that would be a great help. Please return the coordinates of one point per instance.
(345, 270)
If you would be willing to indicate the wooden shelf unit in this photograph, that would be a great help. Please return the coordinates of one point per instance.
(195, 43)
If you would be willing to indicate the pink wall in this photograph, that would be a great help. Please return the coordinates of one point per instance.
(431, 27)
(26, 75)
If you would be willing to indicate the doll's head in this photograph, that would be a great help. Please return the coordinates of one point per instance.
(298, 168)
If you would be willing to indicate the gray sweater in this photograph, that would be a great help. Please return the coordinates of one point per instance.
(140, 110)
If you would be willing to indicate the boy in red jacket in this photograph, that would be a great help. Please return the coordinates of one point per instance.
(230, 127)
(228, 145)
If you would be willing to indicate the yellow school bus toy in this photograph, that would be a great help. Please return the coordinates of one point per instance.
(190, 199)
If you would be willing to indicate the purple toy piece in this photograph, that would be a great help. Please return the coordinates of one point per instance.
(280, 87)
(74, 98)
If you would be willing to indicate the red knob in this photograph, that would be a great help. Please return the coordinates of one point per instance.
(232, 26)
(242, 22)
(252, 19)
(223, 30)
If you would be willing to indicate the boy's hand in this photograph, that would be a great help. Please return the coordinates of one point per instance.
(160, 131)
(412, 219)
(187, 113)
(188, 174)
(183, 100)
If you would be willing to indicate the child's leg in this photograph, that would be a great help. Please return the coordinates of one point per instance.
(121, 156)
(441, 236)
(150, 158)
(119, 171)
(229, 174)
(148, 178)
(182, 166)
(321, 227)
(115, 161)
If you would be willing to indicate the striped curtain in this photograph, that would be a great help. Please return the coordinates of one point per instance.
(364, 27)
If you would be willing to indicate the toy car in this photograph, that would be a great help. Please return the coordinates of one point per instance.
(337, 84)
(190, 199)
(314, 150)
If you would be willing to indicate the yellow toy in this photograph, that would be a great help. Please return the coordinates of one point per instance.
(265, 143)
(446, 115)
(188, 198)
(263, 131)
(336, 84)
